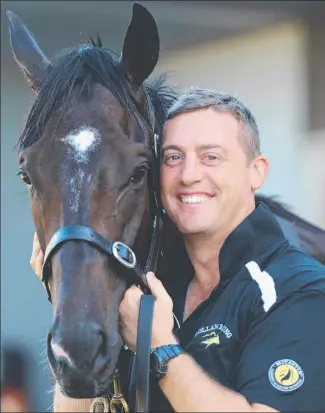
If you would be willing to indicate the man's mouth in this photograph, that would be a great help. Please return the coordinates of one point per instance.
(194, 199)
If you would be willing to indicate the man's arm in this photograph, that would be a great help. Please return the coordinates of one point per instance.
(281, 364)
(189, 389)
(186, 385)
(282, 361)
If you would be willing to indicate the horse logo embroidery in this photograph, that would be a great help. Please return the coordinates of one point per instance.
(213, 339)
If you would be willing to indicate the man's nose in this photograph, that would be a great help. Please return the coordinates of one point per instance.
(191, 171)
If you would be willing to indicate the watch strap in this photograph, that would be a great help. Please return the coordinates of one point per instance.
(168, 351)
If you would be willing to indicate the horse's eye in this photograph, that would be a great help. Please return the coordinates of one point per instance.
(138, 175)
(24, 177)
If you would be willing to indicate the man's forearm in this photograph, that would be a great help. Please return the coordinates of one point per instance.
(189, 389)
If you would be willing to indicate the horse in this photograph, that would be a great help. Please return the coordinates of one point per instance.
(87, 154)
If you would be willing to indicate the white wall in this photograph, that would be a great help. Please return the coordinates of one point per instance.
(313, 176)
(267, 71)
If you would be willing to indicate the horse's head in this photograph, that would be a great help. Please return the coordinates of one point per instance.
(84, 153)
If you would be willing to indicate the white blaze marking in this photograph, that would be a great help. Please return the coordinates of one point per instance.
(75, 183)
(81, 143)
(60, 353)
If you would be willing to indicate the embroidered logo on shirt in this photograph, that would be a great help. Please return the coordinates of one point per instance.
(211, 334)
(286, 375)
(212, 338)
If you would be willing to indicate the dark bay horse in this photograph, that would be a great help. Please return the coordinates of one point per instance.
(86, 155)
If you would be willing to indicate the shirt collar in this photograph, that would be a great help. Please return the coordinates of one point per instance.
(253, 237)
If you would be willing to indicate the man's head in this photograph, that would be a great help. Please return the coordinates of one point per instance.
(211, 162)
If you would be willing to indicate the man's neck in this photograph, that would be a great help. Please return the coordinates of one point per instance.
(204, 249)
(203, 253)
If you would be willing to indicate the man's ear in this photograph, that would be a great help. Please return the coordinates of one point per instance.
(259, 170)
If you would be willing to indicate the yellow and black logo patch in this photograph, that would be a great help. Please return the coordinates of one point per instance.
(286, 375)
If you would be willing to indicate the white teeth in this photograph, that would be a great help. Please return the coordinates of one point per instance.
(194, 199)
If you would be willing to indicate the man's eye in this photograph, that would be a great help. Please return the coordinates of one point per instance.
(211, 157)
(172, 158)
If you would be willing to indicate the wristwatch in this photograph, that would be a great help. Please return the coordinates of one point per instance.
(160, 356)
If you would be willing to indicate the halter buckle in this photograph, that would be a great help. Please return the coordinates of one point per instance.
(115, 249)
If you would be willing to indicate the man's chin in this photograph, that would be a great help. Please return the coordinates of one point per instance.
(193, 229)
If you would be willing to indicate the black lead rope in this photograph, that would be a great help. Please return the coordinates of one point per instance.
(139, 383)
(142, 358)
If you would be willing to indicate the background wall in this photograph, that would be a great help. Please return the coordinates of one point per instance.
(267, 71)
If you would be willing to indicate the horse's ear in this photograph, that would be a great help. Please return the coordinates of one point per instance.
(27, 52)
(141, 46)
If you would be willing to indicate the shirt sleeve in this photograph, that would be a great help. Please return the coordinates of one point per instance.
(282, 360)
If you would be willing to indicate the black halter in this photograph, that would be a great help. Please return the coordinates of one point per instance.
(139, 382)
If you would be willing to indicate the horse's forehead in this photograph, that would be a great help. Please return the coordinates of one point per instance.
(101, 104)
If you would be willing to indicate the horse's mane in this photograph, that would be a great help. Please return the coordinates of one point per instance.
(83, 66)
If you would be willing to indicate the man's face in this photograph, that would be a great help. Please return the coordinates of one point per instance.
(206, 181)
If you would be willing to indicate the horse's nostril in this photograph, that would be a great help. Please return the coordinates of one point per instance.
(101, 340)
(103, 344)
(59, 355)
(102, 358)
(79, 350)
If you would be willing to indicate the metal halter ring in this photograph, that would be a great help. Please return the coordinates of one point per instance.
(115, 250)
(100, 401)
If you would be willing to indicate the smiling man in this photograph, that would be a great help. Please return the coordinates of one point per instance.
(250, 305)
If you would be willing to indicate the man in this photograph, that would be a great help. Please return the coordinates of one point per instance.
(250, 306)
(252, 311)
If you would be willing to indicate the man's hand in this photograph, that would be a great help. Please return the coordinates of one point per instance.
(37, 258)
(162, 323)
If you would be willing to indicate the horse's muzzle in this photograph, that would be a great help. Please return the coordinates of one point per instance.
(81, 361)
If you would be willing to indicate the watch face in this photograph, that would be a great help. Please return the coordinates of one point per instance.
(162, 368)
(157, 367)
(160, 357)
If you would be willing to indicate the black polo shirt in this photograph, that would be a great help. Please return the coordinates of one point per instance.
(262, 330)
